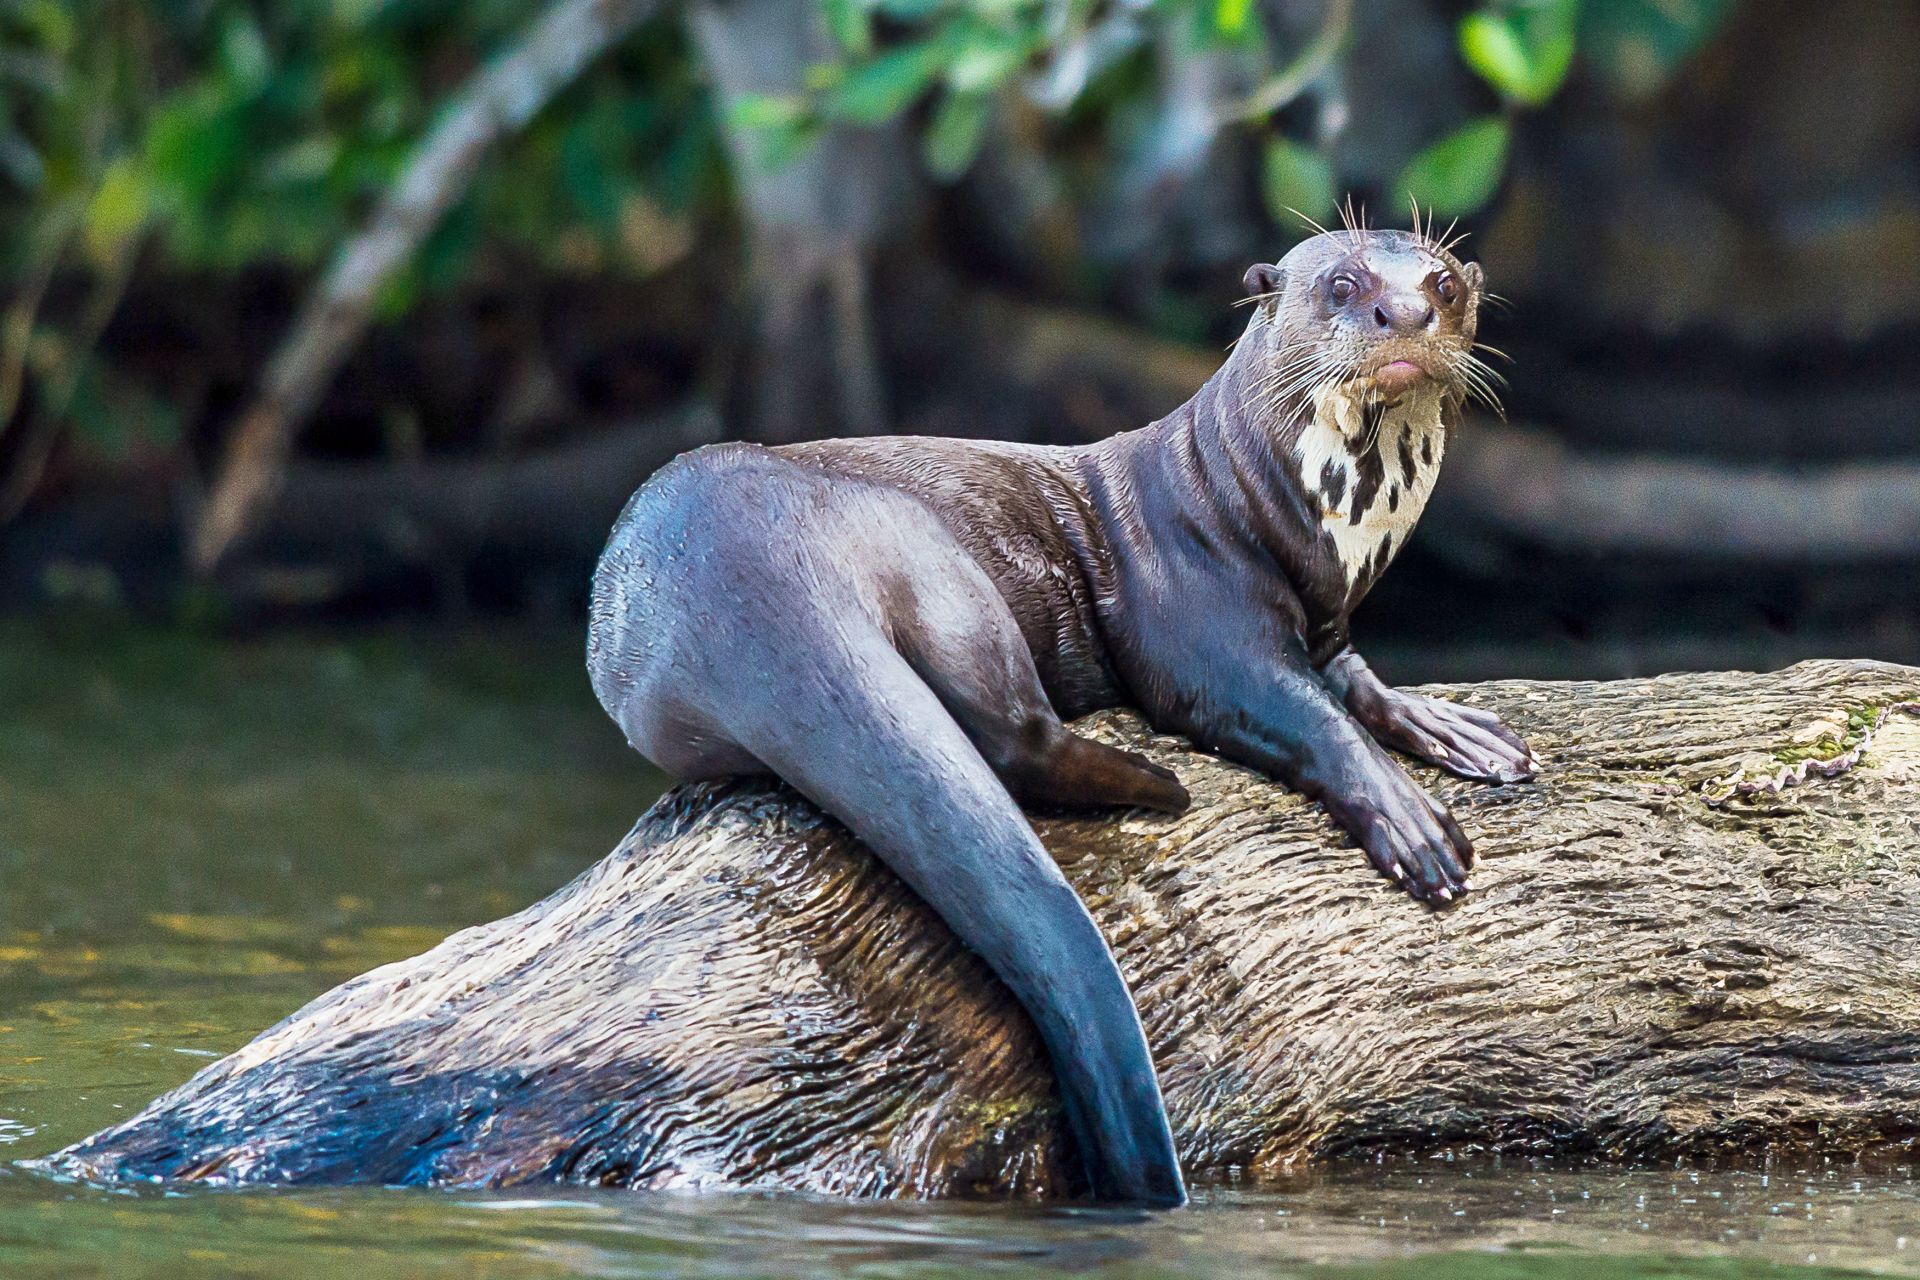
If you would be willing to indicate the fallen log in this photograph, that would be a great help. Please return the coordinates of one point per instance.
(1696, 935)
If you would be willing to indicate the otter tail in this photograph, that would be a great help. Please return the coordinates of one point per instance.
(940, 818)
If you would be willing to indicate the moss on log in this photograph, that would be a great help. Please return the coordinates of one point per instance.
(1696, 935)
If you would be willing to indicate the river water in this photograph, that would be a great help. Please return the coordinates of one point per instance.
(198, 836)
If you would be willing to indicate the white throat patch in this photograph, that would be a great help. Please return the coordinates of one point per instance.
(1410, 441)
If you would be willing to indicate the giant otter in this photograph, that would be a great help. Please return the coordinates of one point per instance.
(897, 628)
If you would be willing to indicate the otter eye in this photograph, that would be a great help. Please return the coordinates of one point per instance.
(1342, 289)
(1448, 288)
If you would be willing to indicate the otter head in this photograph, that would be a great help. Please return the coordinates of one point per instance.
(1377, 313)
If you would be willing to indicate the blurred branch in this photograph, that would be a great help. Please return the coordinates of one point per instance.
(559, 499)
(42, 433)
(22, 316)
(1298, 76)
(1527, 487)
(499, 100)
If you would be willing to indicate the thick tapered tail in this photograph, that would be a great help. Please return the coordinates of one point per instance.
(936, 814)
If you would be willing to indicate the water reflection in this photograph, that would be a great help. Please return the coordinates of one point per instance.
(1484, 1221)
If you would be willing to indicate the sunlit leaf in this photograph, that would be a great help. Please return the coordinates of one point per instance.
(984, 62)
(1296, 180)
(1492, 48)
(1230, 16)
(118, 208)
(764, 111)
(1523, 48)
(953, 139)
(1459, 173)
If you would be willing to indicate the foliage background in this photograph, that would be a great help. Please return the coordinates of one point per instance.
(1691, 203)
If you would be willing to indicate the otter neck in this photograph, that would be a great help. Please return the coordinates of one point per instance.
(1321, 491)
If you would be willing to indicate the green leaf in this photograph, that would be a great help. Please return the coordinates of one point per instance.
(53, 28)
(876, 91)
(1459, 173)
(1230, 16)
(783, 144)
(195, 144)
(752, 111)
(985, 61)
(1493, 49)
(308, 160)
(1296, 180)
(118, 208)
(243, 53)
(1524, 48)
(953, 139)
(849, 25)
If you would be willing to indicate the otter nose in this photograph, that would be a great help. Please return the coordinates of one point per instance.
(1403, 315)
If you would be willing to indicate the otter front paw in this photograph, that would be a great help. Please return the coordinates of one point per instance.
(1465, 741)
(1408, 835)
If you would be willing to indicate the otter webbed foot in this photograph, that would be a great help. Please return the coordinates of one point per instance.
(1465, 741)
(1408, 836)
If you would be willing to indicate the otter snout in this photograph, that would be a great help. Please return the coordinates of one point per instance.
(1401, 314)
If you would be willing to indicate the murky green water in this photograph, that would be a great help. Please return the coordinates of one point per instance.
(196, 838)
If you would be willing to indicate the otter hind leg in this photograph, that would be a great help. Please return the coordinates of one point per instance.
(1076, 772)
(984, 675)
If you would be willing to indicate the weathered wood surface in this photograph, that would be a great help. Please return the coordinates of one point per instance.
(1666, 957)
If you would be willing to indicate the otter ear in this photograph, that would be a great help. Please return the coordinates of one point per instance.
(1476, 278)
(1262, 279)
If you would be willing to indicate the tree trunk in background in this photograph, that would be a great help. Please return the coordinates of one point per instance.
(814, 218)
(1675, 951)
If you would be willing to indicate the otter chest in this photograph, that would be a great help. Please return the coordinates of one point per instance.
(1367, 471)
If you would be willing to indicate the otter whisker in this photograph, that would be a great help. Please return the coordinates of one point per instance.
(1482, 382)
(1355, 222)
(1289, 386)
(1292, 376)
(1299, 380)
(1308, 220)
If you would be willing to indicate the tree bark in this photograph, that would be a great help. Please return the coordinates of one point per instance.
(1674, 952)
(811, 364)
